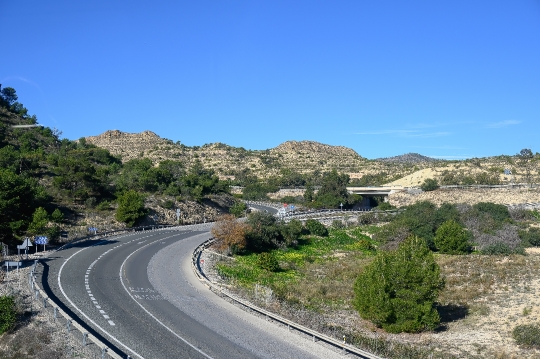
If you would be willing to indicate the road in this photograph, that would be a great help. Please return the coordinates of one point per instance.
(138, 293)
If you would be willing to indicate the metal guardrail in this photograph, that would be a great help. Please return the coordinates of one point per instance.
(104, 350)
(195, 265)
(99, 350)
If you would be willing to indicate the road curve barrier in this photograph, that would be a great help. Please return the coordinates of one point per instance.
(88, 342)
(346, 348)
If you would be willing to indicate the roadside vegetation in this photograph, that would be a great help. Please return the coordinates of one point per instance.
(417, 271)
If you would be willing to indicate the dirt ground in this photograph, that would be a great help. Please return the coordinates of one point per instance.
(469, 196)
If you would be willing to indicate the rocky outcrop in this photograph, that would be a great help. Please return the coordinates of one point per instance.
(129, 145)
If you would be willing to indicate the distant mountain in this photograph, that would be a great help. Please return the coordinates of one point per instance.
(408, 158)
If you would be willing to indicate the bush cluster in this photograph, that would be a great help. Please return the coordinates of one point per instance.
(268, 261)
(429, 184)
(316, 228)
(530, 237)
(8, 314)
(266, 232)
(527, 335)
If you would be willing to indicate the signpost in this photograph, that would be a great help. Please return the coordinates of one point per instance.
(41, 240)
(177, 215)
(27, 243)
(341, 205)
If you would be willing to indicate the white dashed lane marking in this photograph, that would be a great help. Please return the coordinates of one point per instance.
(87, 284)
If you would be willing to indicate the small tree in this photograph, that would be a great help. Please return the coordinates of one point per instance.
(238, 209)
(40, 219)
(526, 163)
(309, 193)
(130, 208)
(268, 261)
(57, 216)
(231, 233)
(291, 232)
(397, 291)
(429, 184)
(316, 228)
(451, 238)
(264, 232)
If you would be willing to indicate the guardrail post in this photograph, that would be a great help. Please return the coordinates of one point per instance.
(84, 336)
(103, 351)
(44, 302)
(55, 313)
(68, 325)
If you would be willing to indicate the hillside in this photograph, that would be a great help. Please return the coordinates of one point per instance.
(410, 169)
(408, 158)
(302, 156)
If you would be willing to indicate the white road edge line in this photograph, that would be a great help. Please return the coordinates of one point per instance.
(150, 314)
(81, 312)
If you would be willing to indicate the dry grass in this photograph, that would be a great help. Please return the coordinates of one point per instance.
(484, 299)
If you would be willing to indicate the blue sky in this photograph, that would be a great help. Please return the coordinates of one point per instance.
(450, 79)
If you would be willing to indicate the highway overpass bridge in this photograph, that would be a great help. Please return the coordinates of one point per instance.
(375, 190)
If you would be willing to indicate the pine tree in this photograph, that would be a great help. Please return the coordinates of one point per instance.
(397, 291)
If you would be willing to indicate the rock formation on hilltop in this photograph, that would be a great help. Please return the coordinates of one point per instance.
(128, 145)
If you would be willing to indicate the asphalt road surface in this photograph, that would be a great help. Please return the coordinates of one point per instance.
(138, 293)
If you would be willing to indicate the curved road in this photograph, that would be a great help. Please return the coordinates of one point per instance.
(138, 293)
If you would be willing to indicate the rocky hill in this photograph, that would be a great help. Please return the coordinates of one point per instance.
(302, 156)
(307, 156)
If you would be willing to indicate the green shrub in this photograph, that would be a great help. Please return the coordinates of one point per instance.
(367, 218)
(385, 206)
(291, 232)
(498, 212)
(167, 204)
(530, 237)
(451, 238)
(338, 224)
(420, 219)
(429, 184)
(238, 209)
(527, 335)
(130, 208)
(8, 314)
(57, 216)
(268, 261)
(398, 290)
(264, 233)
(316, 228)
(498, 248)
(104, 206)
(364, 245)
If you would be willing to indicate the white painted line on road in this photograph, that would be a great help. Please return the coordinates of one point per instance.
(150, 314)
(82, 313)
